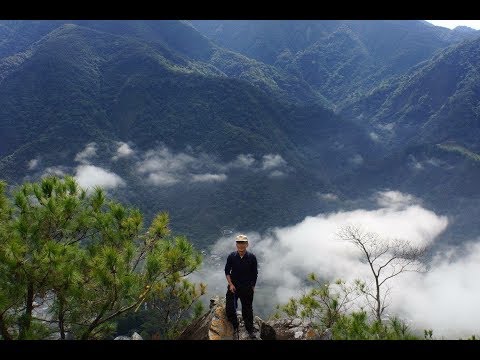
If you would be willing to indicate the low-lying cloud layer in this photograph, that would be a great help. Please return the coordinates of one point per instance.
(208, 177)
(357, 159)
(89, 176)
(86, 154)
(444, 299)
(327, 196)
(427, 164)
(32, 164)
(163, 167)
(124, 150)
(55, 170)
(271, 161)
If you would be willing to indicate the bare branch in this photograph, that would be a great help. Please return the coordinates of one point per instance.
(398, 256)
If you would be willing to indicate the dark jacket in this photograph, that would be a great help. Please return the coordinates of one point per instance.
(243, 271)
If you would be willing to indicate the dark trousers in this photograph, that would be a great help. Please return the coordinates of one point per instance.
(245, 294)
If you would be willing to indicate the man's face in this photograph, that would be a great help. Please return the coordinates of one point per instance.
(242, 245)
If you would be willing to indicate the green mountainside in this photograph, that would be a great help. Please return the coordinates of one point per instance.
(247, 107)
(339, 58)
(87, 85)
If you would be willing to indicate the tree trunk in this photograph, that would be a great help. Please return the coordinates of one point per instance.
(3, 330)
(95, 323)
(378, 302)
(92, 326)
(98, 321)
(27, 317)
(61, 317)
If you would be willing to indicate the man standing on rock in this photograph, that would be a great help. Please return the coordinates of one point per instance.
(241, 272)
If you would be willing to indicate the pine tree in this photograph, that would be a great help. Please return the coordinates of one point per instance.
(84, 260)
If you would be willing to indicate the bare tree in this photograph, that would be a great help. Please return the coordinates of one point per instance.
(386, 258)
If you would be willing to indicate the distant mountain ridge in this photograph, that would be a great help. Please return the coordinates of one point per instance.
(335, 56)
(436, 102)
(326, 111)
(90, 86)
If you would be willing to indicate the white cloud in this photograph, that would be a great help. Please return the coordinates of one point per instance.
(55, 170)
(89, 176)
(162, 179)
(434, 162)
(208, 177)
(271, 161)
(276, 174)
(385, 127)
(328, 196)
(357, 159)
(421, 165)
(124, 150)
(243, 161)
(439, 163)
(414, 163)
(87, 153)
(165, 168)
(445, 298)
(162, 167)
(451, 24)
(374, 136)
(338, 145)
(395, 199)
(32, 164)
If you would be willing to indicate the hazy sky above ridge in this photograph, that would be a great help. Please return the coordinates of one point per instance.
(474, 24)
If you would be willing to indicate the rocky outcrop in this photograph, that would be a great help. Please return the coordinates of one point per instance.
(135, 336)
(214, 325)
(292, 329)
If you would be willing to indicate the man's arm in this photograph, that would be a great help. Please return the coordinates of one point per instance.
(254, 271)
(228, 268)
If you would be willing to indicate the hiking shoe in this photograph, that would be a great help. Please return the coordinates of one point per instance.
(252, 335)
(236, 334)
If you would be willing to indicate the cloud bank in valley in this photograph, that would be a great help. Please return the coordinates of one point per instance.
(32, 164)
(123, 151)
(89, 176)
(86, 154)
(163, 167)
(444, 299)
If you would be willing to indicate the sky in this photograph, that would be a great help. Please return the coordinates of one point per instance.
(444, 299)
(474, 24)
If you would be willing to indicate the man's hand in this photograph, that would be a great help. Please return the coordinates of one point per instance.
(231, 287)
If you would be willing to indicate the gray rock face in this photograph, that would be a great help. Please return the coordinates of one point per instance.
(122, 338)
(135, 336)
(286, 329)
(296, 322)
(267, 332)
(327, 335)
